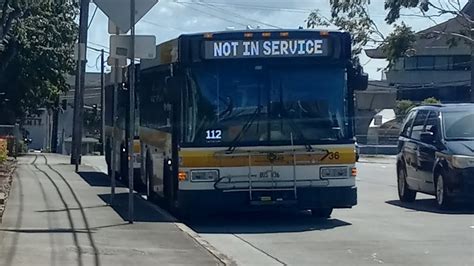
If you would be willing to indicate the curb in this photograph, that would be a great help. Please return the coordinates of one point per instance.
(211, 249)
(188, 231)
(195, 236)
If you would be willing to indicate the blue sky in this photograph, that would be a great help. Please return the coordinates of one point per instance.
(170, 18)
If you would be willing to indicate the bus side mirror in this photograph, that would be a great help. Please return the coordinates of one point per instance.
(357, 79)
(427, 137)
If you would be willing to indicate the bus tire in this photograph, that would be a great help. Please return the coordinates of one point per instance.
(322, 212)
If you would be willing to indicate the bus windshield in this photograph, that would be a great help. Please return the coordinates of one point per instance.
(265, 105)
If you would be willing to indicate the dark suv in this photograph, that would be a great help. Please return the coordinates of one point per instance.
(436, 153)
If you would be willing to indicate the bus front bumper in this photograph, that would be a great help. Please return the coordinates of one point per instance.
(307, 198)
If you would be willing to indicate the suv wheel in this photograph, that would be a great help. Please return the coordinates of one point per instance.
(404, 192)
(322, 212)
(442, 198)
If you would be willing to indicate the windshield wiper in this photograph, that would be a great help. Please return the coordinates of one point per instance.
(244, 129)
(298, 130)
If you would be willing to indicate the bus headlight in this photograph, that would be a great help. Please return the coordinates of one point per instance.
(204, 175)
(334, 172)
(462, 162)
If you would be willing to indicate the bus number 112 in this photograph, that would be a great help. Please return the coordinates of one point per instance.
(214, 134)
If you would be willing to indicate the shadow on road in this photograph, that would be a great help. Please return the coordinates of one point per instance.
(144, 211)
(73, 209)
(97, 179)
(262, 223)
(44, 231)
(429, 205)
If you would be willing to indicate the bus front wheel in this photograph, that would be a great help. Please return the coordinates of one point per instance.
(322, 212)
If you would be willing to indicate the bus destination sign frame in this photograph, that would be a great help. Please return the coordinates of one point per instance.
(235, 49)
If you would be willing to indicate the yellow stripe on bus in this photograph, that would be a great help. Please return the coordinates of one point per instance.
(212, 159)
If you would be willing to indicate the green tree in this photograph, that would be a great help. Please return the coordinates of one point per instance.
(353, 16)
(402, 108)
(431, 100)
(350, 16)
(37, 55)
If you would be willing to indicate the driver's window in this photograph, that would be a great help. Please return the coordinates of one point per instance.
(419, 124)
(432, 123)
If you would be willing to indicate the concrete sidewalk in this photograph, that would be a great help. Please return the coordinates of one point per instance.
(57, 217)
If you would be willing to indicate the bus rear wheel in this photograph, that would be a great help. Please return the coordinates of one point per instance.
(322, 212)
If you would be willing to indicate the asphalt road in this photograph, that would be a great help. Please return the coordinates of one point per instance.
(379, 230)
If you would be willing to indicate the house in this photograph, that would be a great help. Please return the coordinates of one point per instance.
(92, 97)
(49, 130)
(39, 129)
(434, 68)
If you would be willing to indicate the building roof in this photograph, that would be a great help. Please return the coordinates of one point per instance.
(430, 43)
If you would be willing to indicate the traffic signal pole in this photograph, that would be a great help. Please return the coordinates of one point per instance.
(76, 145)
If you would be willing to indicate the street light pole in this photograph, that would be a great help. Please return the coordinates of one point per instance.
(102, 100)
(76, 145)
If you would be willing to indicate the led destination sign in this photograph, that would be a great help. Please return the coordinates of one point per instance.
(265, 48)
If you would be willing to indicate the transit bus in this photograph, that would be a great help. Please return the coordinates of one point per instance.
(250, 120)
(119, 145)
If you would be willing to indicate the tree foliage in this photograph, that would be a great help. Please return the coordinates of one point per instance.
(350, 16)
(431, 100)
(38, 55)
(353, 16)
(403, 107)
(398, 43)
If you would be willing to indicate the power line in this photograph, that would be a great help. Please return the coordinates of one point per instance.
(93, 16)
(100, 45)
(235, 14)
(161, 25)
(210, 14)
(246, 6)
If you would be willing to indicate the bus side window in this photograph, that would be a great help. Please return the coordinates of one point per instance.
(190, 112)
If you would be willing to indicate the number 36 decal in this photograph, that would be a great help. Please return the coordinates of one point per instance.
(332, 156)
(214, 134)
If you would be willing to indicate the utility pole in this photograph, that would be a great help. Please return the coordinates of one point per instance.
(76, 148)
(115, 152)
(54, 135)
(102, 100)
(131, 113)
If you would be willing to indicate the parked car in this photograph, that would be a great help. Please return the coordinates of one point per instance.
(436, 153)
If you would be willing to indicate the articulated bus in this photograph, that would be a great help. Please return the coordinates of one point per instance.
(119, 146)
(250, 120)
